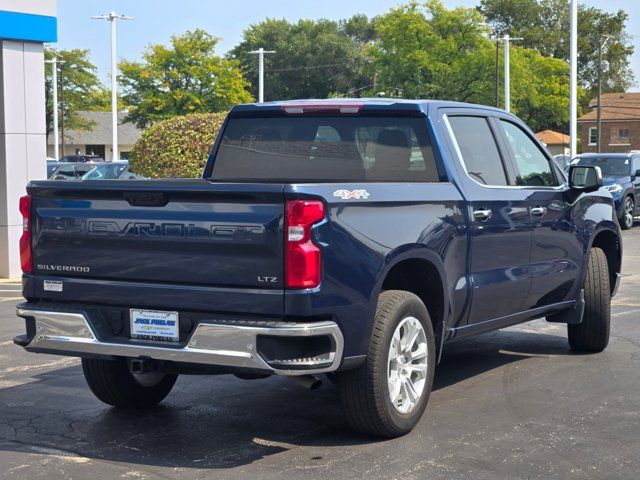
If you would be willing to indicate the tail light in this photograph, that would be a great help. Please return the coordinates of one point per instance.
(26, 259)
(303, 258)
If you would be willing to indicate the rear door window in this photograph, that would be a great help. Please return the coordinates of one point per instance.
(479, 151)
(326, 149)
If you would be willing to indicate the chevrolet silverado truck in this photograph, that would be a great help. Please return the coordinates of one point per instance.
(352, 238)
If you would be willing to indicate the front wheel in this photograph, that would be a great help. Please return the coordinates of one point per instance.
(387, 395)
(592, 335)
(114, 384)
(628, 209)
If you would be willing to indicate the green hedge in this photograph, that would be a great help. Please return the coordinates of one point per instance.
(177, 147)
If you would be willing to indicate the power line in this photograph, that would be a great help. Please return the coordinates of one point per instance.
(290, 69)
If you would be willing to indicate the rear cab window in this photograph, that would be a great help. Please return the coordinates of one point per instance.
(325, 148)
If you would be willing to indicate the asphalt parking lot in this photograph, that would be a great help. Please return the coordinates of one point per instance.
(511, 404)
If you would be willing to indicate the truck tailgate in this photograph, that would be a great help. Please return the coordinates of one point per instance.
(190, 232)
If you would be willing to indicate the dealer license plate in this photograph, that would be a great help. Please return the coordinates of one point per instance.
(155, 325)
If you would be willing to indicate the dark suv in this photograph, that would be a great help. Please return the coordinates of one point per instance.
(621, 176)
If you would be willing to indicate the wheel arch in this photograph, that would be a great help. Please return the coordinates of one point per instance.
(609, 242)
(421, 272)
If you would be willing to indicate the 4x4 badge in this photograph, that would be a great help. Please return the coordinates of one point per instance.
(348, 194)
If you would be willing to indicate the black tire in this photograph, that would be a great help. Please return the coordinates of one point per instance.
(113, 383)
(592, 335)
(364, 392)
(628, 209)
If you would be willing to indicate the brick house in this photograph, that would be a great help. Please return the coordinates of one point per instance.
(620, 123)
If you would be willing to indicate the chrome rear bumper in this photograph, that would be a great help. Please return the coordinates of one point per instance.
(221, 344)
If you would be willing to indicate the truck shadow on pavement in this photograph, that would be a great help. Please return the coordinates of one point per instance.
(221, 422)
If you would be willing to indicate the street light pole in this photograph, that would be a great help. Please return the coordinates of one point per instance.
(54, 92)
(507, 70)
(573, 78)
(112, 17)
(62, 110)
(261, 52)
(497, 40)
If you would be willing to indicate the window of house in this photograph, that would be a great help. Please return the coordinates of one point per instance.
(593, 135)
(619, 136)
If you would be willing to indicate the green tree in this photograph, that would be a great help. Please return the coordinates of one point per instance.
(77, 84)
(428, 51)
(544, 26)
(100, 100)
(177, 147)
(313, 59)
(185, 77)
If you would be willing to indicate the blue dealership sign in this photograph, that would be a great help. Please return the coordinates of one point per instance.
(28, 27)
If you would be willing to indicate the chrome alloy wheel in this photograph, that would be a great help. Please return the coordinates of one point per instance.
(629, 207)
(407, 365)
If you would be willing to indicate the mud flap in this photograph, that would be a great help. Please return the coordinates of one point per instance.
(570, 316)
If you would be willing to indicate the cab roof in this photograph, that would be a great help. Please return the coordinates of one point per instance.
(351, 106)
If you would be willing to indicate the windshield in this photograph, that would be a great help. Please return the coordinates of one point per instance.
(105, 172)
(610, 166)
(326, 149)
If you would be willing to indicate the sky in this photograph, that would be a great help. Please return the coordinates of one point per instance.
(156, 20)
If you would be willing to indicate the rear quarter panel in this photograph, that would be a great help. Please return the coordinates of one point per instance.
(362, 239)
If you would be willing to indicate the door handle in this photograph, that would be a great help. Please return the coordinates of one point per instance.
(482, 215)
(538, 211)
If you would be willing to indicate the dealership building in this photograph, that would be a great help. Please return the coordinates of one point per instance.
(25, 26)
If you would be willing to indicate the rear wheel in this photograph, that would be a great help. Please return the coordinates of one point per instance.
(628, 209)
(388, 394)
(114, 384)
(592, 335)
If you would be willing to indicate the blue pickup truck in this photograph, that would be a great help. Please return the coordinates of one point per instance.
(353, 238)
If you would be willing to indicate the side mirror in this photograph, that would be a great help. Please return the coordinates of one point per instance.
(585, 178)
(637, 173)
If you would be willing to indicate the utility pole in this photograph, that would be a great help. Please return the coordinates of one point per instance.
(54, 91)
(573, 78)
(507, 70)
(261, 52)
(112, 17)
(602, 42)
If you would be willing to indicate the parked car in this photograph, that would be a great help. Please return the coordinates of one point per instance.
(621, 172)
(350, 238)
(70, 170)
(51, 166)
(82, 158)
(111, 171)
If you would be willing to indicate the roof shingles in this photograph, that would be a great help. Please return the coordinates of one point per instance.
(100, 133)
(615, 106)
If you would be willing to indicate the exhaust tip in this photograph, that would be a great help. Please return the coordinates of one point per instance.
(309, 382)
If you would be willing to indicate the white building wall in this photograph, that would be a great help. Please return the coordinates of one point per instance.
(22, 139)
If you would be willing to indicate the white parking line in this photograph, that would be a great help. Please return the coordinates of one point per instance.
(625, 312)
(11, 299)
